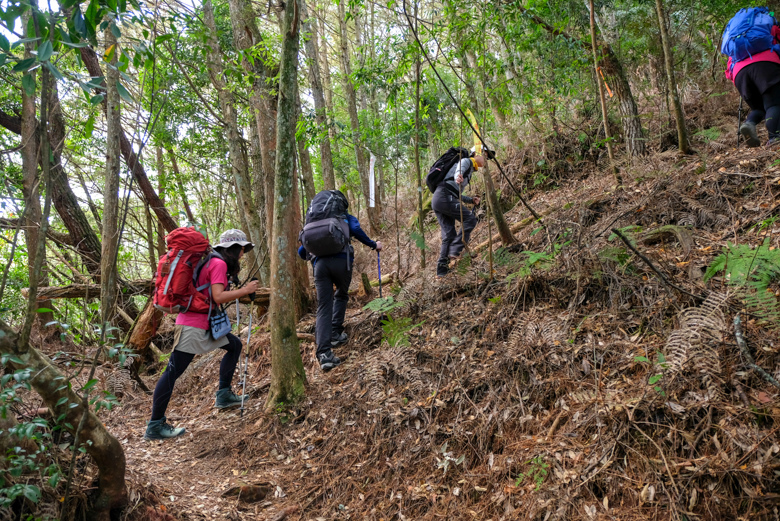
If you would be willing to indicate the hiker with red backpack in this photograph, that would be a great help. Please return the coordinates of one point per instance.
(447, 179)
(751, 41)
(187, 265)
(325, 240)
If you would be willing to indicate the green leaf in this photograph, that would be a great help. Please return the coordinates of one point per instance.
(23, 65)
(96, 99)
(641, 359)
(4, 44)
(45, 51)
(123, 92)
(79, 24)
(76, 45)
(32, 493)
(89, 126)
(61, 401)
(22, 41)
(92, 13)
(54, 71)
(163, 38)
(89, 385)
(654, 379)
(115, 31)
(28, 84)
(44, 310)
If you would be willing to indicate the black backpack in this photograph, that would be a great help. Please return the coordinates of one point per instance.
(439, 170)
(326, 231)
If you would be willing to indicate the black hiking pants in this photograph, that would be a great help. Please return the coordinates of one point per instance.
(331, 308)
(446, 206)
(178, 363)
(759, 86)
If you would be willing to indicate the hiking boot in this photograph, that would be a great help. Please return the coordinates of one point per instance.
(748, 131)
(773, 142)
(442, 269)
(161, 430)
(226, 398)
(328, 360)
(339, 340)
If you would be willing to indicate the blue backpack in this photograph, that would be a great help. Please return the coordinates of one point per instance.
(749, 32)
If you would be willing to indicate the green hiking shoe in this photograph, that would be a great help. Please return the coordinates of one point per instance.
(226, 398)
(162, 430)
(748, 131)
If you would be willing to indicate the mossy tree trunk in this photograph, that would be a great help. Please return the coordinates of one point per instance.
(287, 374)
(679, 116)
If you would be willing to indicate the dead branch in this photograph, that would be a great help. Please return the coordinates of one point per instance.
(743, 347)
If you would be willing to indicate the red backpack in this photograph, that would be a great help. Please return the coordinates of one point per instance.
(175, 285)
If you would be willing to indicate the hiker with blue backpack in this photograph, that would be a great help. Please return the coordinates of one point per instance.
(199, 329)
(447, 179)
(751, 41)
(325, 241)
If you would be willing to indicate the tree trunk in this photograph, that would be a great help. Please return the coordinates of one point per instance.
(30, 187)
(420, 215)
(161, 187)
(679, 116)
(307, 174)
(227, 104)
(180, 186)
(498, 216)
(602, 98)
(110, 235)
(258, 187)
(246, 35)
(92, 64)
(288, 378)
(105, 450)
(311, 44)
(351, 95)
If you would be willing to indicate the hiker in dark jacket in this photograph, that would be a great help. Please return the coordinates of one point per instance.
(446, 205)
(758, 81)
(331, 308)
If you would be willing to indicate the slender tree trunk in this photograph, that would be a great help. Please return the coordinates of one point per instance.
(495, 209)
(30, 183)
(311, 45)
(246, 35)
(258, 187)
(420, 214)
(105, 450)
(679, 116)
(239, 167)
(287, 374)
(602, 98)
(161, 188)
(307, 173)
(110, 235)
(92, 63)
(351, 95)
(180, 185)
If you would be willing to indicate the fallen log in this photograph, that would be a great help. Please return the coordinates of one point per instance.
(513, 228)
(386, 279)
(138, 287)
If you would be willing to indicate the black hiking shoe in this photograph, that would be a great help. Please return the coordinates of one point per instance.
(339, 340)
(226, 398)
(161, 430)
(328, 360)
(442, 269)
(773, 142)
(748, 131)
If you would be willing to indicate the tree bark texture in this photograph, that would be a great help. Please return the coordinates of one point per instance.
(92, 63)
(258, 188)
(238, 164)
(417, 171)
(161, 184)
(30, 182)
(180, 185)
(311, 45)
(110, 242)
(671, 82)
(287, 374)
(351, 95)
(504, 231)
(105, 449)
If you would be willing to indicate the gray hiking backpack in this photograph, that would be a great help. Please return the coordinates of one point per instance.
(326, 231)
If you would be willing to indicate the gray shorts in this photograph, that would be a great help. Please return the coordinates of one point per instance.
(194, 340)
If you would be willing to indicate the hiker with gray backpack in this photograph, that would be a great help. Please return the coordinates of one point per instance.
(447, 179)
(192, 282)
(751, 41)
(325, 240)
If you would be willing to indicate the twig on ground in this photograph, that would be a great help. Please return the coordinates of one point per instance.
(743, 347)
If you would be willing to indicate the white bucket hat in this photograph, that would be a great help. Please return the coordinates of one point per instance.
(231, 237)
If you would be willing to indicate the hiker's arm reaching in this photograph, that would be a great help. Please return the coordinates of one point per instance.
(357, 232)
(220, 296)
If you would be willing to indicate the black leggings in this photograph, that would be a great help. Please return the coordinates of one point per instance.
(770, 110)
(178, 363)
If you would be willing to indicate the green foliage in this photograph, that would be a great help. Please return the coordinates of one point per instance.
(661, 364)
(751, 271)
(448, 458)
(395, 330)
(708, 134)
(536, 472)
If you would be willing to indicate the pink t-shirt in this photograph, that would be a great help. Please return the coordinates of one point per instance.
(214, 273)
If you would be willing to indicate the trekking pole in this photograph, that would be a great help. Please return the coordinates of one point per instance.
(379, 272)
(739, 119)
(246, 356)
